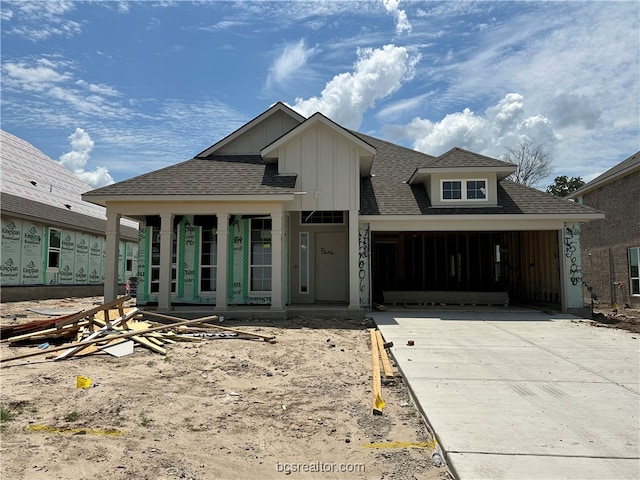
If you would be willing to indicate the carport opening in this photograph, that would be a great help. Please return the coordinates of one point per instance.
(523, 265)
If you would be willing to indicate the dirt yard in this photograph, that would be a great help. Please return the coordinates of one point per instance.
(622, 318)
(216, 409)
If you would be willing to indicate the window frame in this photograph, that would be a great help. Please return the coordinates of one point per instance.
(266, 267)
(322, 217)
(213, 265)
(634, 280)
(464, 189)
(155, 268)
(54, 250)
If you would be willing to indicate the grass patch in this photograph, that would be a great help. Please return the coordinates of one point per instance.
(145, 422)
(5, 417)
(72, 417)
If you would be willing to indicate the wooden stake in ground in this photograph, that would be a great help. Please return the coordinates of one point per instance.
(378, 402)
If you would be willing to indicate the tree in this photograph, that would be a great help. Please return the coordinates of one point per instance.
(534, 164)
(564, 186)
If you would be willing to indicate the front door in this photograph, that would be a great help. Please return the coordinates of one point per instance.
(331, 267)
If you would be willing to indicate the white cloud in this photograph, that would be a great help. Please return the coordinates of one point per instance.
(33, 78)
(76, 159)
(294, 56)
(377, 74)
(502, 125)
(41, 20)
(402, 21)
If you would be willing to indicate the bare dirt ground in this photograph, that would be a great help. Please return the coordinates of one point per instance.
(622, 318)
(217, 409)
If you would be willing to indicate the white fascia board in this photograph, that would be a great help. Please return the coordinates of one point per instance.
(186, 199)
(473, 222)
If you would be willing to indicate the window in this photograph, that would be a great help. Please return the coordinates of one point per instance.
(155, 261)
(260, 255)
(473, 190)
(304, 262)
(54, 248)
(208, 259)
(323, 216)
(634, 270)
(476, 190)
(451, 190)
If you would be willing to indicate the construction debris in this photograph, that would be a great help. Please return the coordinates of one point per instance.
(94, 331)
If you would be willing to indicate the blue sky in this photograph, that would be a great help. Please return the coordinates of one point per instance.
(117, 89)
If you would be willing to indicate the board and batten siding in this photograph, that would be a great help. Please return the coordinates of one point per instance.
(259, 136)
(326, 164)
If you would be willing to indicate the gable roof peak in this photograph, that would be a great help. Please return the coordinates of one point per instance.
(276, 107)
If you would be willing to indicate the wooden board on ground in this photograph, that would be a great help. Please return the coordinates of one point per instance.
(378, 402)
(3, 361)
(386, 364)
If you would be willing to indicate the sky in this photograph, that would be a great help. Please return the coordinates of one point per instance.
(115, 89)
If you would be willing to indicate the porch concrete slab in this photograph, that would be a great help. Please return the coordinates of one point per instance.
(517, 393)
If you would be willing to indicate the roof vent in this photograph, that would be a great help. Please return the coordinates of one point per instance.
(68, 206)
(33, 182)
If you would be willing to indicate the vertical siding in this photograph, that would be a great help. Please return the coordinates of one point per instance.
(325, 162)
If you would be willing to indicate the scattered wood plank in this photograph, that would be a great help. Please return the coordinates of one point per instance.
(118, 303)
(3, 361)
(67, 329)
(105, 327)
(378, 402)
(386, 364)
(143, 341)
(266, 338)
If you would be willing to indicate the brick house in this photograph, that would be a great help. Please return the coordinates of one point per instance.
(611, 246)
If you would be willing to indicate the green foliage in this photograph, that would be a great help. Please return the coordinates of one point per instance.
(71, 417)
(564, 186)
(5, 417)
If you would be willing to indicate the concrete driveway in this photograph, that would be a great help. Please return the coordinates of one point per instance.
(517, 393)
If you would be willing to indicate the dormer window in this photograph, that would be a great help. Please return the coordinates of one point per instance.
(451, 190)
(464, 190)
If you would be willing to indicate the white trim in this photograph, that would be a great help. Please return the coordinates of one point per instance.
(185, 199)
(463, 190)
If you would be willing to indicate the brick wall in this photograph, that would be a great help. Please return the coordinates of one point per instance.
(605, 242)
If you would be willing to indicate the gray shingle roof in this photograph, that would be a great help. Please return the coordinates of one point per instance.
(214, 175)
(458, 157)
(623, 168)
(385, 192)
(13, 205)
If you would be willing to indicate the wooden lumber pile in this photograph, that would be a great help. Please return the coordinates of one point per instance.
(113, 329)
(379, 355)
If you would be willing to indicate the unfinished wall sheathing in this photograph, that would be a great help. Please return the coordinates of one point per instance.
(50, 236)
(188, 284)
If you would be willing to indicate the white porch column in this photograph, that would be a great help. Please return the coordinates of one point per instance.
(166, 232)
(112, 253)
(354, 293)
(223, 261)
(277, 290)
